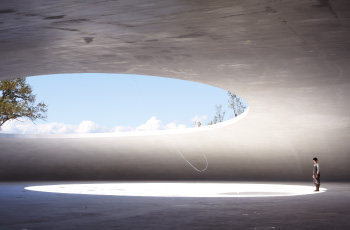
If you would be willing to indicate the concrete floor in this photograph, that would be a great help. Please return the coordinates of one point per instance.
(23, 209)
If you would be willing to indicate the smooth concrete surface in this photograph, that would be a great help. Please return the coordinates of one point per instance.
(23, 209)
(288, 59)
(156, 157)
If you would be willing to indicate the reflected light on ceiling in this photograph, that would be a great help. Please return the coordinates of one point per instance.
(176, 189)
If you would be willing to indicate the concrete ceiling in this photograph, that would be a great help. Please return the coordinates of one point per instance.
(290, 60)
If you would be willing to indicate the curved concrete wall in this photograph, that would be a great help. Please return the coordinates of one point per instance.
(288, 59)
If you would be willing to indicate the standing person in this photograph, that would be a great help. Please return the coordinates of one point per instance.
(316, 174)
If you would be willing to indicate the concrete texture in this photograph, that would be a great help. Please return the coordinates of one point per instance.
(288, 59)
(23, 209)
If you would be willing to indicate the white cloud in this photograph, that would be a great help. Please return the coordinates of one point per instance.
(151, 125)
(173, 125)
(28, 127)
(88, 127)
(199, 118)
(122, 129)
(52, 128)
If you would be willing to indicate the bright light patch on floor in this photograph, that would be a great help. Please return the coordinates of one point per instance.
(180, 189)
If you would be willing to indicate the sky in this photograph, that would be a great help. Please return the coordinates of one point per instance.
(91, 103)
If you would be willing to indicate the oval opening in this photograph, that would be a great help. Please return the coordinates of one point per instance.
(124, 103)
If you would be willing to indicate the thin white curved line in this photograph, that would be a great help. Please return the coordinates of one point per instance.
(199, 170)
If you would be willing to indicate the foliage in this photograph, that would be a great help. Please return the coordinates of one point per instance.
(17, 101)
(219, 117)
(236, 104)
(219, 114)
(198, 124)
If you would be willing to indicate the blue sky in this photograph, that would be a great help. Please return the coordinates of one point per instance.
(111, 100)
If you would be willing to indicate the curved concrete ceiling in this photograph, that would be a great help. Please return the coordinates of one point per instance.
(288, 59)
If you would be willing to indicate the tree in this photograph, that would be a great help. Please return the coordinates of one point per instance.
(197, 123)
(236, 104)
(17, 101)
(219, 117)
(219, 114)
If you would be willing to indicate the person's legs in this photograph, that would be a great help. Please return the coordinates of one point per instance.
(318, 182)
